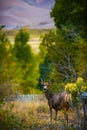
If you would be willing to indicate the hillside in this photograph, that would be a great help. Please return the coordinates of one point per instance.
(22, 12)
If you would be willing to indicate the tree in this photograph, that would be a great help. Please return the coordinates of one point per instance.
(70, 12)
(7, 66)
(81, 58)
(66, 47)
(22, 49)
(59, 57)
(26, 59)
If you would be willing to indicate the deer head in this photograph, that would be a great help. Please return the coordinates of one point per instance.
(46, 85)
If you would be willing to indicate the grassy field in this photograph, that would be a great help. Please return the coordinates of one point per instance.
(36, 116)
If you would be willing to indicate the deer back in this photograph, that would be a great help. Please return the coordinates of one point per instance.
(59, 101)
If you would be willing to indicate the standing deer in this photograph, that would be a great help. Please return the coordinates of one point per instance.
(57, 101)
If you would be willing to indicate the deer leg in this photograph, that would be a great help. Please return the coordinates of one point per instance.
(50, 114)
(55, 114)
(66, 117)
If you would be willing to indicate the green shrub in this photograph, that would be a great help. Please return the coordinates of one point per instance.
(9, 121)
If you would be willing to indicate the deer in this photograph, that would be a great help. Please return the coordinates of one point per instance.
(56, 101)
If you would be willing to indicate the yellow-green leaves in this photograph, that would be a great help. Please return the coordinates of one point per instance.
(71, 87)
(75, 87)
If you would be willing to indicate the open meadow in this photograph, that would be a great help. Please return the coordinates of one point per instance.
(35, 115)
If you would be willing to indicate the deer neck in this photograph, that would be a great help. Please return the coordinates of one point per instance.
(48, 94)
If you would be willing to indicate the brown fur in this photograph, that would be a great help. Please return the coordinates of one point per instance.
(56, 101)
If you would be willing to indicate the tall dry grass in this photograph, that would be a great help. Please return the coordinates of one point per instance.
(35, 115)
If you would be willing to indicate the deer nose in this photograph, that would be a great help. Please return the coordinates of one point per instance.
(45, 88)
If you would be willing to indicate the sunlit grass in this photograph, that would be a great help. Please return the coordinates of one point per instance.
(35, 115)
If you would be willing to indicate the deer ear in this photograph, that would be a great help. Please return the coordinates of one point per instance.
(40, 81)
(51, 81)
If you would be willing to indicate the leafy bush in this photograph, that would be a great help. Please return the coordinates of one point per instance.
(80, 83)
(71, 87)
(74, 88)
(9, 121)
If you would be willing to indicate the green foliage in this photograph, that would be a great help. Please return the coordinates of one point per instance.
(71, 87)
(80, 83)
(64, 50)
(81, 58)
(84, 88)
(28, 62)
(46, 53)
(66, 47)
(22, 37)
(76, 87)
(4, 47)
(66, 12)
(5, 70)
(22, 49)
(59, 58)
(10, 72)
(19, 65)
(8, 121)
(2, 26)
